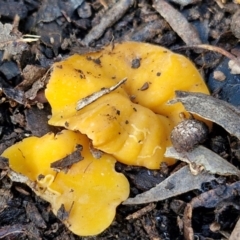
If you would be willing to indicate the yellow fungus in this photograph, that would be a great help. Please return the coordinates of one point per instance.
(133, 123)
(88, 190)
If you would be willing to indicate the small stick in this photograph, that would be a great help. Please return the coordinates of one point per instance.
(210, 48)
(93, 97)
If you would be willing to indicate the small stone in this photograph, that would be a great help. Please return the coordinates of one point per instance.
(188, 134)
(219, 76)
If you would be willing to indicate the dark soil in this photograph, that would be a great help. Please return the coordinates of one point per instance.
(77, 26)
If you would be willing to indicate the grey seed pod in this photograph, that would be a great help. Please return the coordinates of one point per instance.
(188, 134)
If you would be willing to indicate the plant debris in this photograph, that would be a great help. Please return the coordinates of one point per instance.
(93, 97)
(172, 186)
(65, 163)
(202, 158)
(179, 23)
(208, 199)
(110, 17)
(212, 109)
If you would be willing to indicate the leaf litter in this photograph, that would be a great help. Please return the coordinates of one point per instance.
(203, 164)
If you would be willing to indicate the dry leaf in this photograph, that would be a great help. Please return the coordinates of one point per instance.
(178, 183)
(12, 41)
(31, 73)
(236, 231)
(212, 109)
(204, 158)
(178, 23)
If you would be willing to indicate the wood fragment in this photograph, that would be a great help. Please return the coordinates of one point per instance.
(178, 22)
(68, 161)
(210, 108)
(141, 212)
(210, 48)
(111, 16)
(93, 97)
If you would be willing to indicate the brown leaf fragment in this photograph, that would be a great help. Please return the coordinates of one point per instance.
(34, 215)
(206, 159)
(31, 73)
(235, 235)
(178, 22)
(68, 161)
(181, 181)
(32, 92)
(210, 108)
(208, 199)
(111, 16)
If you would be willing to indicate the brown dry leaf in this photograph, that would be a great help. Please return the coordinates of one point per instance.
(235, 235)
(178, 23)
(31, 73)
(31, 94)
(172, 186)
(210, 108)
(203, 158)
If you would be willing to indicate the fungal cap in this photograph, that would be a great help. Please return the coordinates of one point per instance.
(90, 190)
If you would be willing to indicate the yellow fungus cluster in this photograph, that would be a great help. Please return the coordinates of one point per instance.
(131, 124)
(90, 190)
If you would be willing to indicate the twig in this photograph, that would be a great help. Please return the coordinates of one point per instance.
(93, 97)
